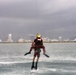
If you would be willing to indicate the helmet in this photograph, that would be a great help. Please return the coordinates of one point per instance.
(38, 36)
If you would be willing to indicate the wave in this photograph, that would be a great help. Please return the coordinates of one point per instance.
(53, 70)
(15, 62)
(60, 70)
(23, 59)
(57, 58)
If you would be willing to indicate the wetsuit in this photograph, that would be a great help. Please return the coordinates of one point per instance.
(37, 46)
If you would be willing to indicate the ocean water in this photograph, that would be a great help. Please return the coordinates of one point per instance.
(62, 59)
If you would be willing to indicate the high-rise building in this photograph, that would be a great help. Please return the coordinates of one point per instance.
(0, 40)
(9, 39)
(60, 38)
(21, 40)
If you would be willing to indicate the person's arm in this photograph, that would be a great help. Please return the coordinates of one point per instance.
(42, 41)
(33, 44)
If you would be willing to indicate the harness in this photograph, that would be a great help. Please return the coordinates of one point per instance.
(38, 43)
(37, 49)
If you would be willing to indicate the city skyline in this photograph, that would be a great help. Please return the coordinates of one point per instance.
(32, 37)
(50, 18)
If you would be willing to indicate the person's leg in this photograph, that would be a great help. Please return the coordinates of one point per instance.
(43, 49)
(33, 61)
(38, 55)
(36, 64)
(31, 48)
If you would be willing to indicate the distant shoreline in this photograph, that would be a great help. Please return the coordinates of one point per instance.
(44, 42)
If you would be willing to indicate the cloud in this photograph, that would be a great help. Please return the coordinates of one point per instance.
(54, 6)
(19, 9)
(48, 17)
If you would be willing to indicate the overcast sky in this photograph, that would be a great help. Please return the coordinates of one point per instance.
(50, 18)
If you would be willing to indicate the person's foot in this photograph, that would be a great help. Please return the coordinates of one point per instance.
(36, 65)
(32, 65)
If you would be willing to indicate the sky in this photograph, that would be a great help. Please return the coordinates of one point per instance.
(50, 18)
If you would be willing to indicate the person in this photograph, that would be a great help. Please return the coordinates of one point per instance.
(37, 44)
